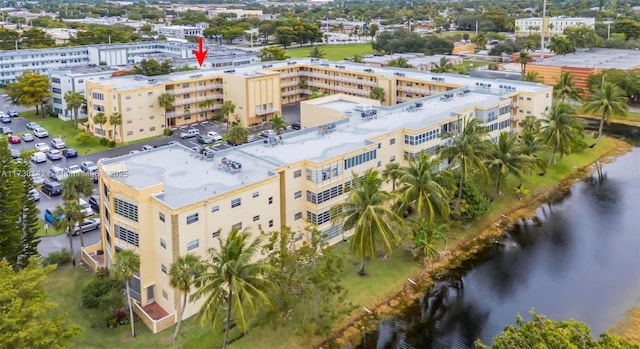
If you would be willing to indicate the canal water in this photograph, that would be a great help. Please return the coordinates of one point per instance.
(578, 258)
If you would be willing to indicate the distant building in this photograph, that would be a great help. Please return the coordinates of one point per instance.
(60, 35)
(556, 26)
(239, 14)
(418, 61)
(182, 31)
(73, 79)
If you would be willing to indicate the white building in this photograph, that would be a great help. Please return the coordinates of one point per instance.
(73, 79)
(557, 25)
(182, 31)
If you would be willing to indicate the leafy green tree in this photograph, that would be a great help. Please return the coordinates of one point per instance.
(36, 38)
(467, 149)
(231, 32)
(74, 100)
(115, 120)
(100, 119)
(74, 188)
(285, 35)
(542, 332)
(367, 212)
(426, 237)
(70, 213)
(373, 30)
(505, 158)
(8, 39)
(443, 66)
(608, 100)
(151, 67)
(30, 90)
(583, 36)
(392, 173)
(279, 123)
(233, 282)
(308, 293)
(126, 265)
(628, 27)
(565, 88)
(182, 275)
(524, 59)
(272, 53)
(26, 314)
(238, 134)
(420, 190)
(561, 130)
(378, 93)
(532, 76)
(316, 52)
(399, 62)
(561, 45)
(11, 201)
(228, 108)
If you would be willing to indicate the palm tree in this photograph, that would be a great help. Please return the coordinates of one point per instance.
(228, 107)
(443, 66)
(524, 59)
(529, 45)
(368, 214)
(532, 76)
(166, 101)
(399, 62)
(75, 187)
(100, 119)
(377, 93)
(392, 173)
(565, 88)
(356, 59)
(506, 157)
(532, 147)
(70, 213)
(560, 130)
(238, 134)
(74, 101)
(127, 264)
(233, 282)
(467, 149)
(480, 41)
(182, 275)
(279, 123)
(608, 100)
(115, 120)
(420, 190)
(561, 45)
(316, 52)
(425, 236)
(530, 123)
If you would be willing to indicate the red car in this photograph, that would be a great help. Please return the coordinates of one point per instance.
(14, 139)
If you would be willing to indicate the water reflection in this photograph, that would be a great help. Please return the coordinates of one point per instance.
(578, 258)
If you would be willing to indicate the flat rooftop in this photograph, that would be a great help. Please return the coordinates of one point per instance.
(186, 177)
(82, 70)
(601, 58)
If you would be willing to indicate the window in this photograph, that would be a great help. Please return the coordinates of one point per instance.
(298, 194)
(192, 218)
(256, 218)
(325, 195)
(165, 295)
(236, 202)
(126, 235)
(215, 234)
(392, 141)
(127, 97)
(215, 208)
(270, 200)
(163, 244)
(153, 128)
(392, 158)
(359, 159)
(149, 93)
(192, 245)
(129, 133)
(422, 138)
(379, 164)
(161, 216)
(99, 96)
(297, 173)
(320, 218)
(163, 268)
(237, 226)
(126, 209)
(271, 223)
(255, 195)
(298, 216)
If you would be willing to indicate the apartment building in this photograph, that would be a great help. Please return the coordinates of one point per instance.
(14, 63)
(182, 31)
(73, 79)
(553, 25)
(164, 209)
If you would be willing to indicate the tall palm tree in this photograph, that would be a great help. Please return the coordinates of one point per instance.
(70, 213)
(506, 157)
(166, 101)
(228, 108)
(399, 62)
(115, 120)
(532, 147)
(530, 123)
(74, 188)
(100, 119)
(368, 214)
(532, 76)
(524, 59)
(560, 130)
(127, 264)
(182, 275)
(443, 66)
(74, 101)
(480, 41)
(316, 52)
(279, 123)
(419, 189)
(233, 282)
(608, 100)
(565, 88)
(467, 150)
(392, 173)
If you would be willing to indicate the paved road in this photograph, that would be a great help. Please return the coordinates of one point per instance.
(50, 244)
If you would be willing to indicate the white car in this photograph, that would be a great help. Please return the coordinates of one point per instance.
(74, 170)
(38, 157)
(86, 208)
(216, 137)
(268, 133)
(40, 132)
(43, 147)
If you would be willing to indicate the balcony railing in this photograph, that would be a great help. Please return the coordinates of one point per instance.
(266, 111)
(295, 92)
(155, 325)
(342, 79)
(421, 91)
(180, 91)
(197, 99)
(289, 84)
(338, 88)
(176, 113)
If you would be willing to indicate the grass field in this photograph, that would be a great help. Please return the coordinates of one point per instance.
(333, 52)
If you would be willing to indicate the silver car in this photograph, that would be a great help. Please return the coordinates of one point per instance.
(54, 154)
(27, 137)
(86, 226)
(40, 132)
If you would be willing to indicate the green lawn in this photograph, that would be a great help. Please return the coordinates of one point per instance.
(333, 52)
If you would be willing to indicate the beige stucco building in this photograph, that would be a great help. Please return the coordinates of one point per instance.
(169, 201)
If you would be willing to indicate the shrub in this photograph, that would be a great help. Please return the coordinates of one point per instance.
(168, 132)
(96, 292)
(112, 144)
(475, 202)
(61, 257)
(104, 141)
(82, 137)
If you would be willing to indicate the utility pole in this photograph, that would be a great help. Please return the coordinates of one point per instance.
(109, 39)
(476, 27)
(544, 12)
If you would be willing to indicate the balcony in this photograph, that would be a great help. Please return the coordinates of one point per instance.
(176, 113)
(295, 92)
(197, 99)
(266, 111)
(343, 79)
(154, 316)
(338, 88)
(93, 256)
(420, 91)
(181, 91)
(289, 84)
(514, 117)
(288, 75)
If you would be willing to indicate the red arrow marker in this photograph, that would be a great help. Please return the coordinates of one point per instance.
(200, 54)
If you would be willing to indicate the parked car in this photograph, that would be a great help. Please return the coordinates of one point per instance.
(74, 170)
(54, 154)
(103, 159)
(14, 139)
(40, 132)
(6, 131)
(13, 113)
(33, 126)
(88, 166)
(204, 139)
(37, 178)
(94, 202)
(38, 157)
(147, 147)
(86, 208)
(15, 153)
(27, 137)
(48, 216)
(69, 153)
(52, 188)
(5, 118)
(34, 194)
(268, 133)
(86, 226)
(134, 152)
(296, 126)
(58, 143)
(190, 133)
(58, 173)
(216, 137)
(43, 147)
